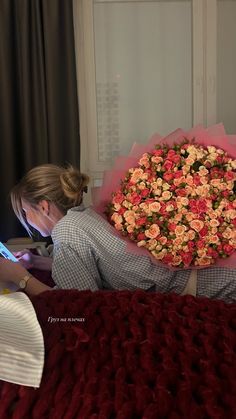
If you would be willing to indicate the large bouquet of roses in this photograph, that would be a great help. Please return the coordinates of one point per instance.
(176, 198)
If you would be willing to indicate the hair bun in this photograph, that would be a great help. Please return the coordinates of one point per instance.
(74, 184)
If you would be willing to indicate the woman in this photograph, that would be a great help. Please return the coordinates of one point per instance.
(87, 254)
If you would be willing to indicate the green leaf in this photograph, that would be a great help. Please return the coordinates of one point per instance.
(196, 165)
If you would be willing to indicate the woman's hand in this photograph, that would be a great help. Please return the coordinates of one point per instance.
(14, 272)
(11, 271)
(26, 258)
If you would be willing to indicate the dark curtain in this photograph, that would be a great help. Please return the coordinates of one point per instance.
(39, 120)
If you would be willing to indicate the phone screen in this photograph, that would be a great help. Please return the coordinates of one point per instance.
(6, 253)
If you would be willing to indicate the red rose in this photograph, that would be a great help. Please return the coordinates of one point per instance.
(203, 232)
(168, 165)
(172, 156)
(141, 236)
(201, 244)
(181, 192)
(191, 245)
(141, 221)
(212, 252)
(122, 210)
(172, 226)
(228, 249)
(187, 258)
(168, 259)
(225, 194)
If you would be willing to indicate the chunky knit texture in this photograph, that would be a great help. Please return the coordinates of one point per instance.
(136, 355)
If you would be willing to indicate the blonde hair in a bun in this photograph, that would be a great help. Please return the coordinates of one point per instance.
(62, 186)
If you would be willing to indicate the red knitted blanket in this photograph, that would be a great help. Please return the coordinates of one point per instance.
(135, 355)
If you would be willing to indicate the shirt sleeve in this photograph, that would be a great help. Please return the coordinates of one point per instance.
(70, 270)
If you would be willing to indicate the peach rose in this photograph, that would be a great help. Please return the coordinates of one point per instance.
(151, 244)
(160, 255)
(231, 214)
(184, 201)
(118, 226)
(213, 239)
(176, 260)
(170, 208)
(189, 180)
(204, 261)
(162, 240)
(144, 161)
(141, 243)
(190, 216)
(166, 195)
(196, 225)
(228, 233)
(189, 161)
(156, 159)
(130, 228)
(214, 223)
(191, 234)
(118, 219)
(154, 207)
(141, 185)
(153, 231)
(201, 252)
(180, 230)
(178, 241)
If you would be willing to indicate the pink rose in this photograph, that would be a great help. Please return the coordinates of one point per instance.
(168, 165)
(229, 175)
(219, 159)
(157, 152)
(135, 198)
(168, 176)
(118, 198)
(145, 192)
(178, 174)
(196, 180)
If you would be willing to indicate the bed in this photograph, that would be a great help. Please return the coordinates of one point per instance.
(130, 355)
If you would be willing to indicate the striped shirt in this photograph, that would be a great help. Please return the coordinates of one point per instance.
(89, 255)
(21, 341)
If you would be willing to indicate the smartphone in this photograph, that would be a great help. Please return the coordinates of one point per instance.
(6, 253)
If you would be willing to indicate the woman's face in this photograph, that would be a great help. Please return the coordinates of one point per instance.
(38, 218)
